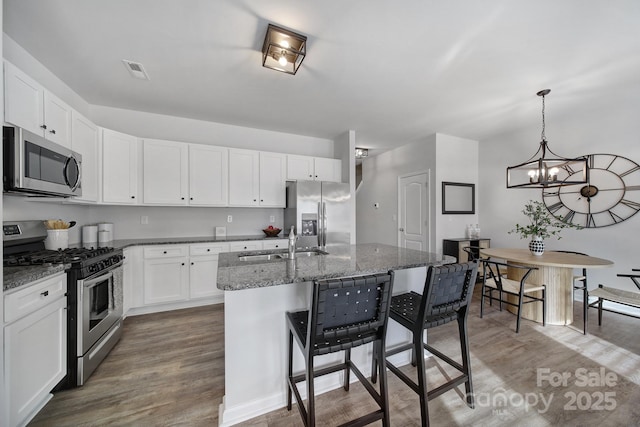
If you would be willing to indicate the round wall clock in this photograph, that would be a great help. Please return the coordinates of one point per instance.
(611, 196)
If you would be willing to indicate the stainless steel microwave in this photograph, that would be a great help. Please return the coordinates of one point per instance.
(38, 167)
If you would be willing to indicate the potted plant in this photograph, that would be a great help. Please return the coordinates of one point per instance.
(542, 225)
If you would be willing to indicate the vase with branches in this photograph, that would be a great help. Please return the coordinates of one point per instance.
(542, 225)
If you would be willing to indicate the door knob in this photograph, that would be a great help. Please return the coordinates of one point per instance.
(401, 229)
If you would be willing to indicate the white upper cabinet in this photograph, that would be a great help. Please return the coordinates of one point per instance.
(85, 140)
(30, 106)
(273, 179)
(208, 175)
(327, 169)
(119, 168)
(164, 166)
(300, 168)
(307, 168)
(244, 177)
(257, 178)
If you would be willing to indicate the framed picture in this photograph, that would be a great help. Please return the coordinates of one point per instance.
(458, 198)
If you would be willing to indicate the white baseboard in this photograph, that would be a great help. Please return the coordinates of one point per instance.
(158, 308)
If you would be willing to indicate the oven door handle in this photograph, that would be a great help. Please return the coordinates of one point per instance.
(91, 283)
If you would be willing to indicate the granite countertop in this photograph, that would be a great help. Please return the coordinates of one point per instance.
(14, 277)
(346, 260)
(124, 243)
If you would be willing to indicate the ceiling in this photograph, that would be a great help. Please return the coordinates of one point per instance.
(395, 72)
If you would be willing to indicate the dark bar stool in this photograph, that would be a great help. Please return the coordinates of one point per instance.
(446, 297)
(345, 313)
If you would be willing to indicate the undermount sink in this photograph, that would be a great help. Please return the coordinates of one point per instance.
(279, 255)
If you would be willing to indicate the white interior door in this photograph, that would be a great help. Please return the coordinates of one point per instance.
(413, 214)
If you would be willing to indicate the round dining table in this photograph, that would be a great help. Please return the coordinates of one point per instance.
(555, 270)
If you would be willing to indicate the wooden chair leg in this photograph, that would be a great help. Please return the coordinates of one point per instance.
(466, 359)
(422, 378)
(290, 370)
(599, 311)
(374, 361)
(585, 308)
(311, 405)
(519, 313)
(347, 369)
(384, 396)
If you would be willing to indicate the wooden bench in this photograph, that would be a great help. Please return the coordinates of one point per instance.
(619, 296)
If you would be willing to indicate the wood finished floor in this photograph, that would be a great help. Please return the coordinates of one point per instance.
(168, 370)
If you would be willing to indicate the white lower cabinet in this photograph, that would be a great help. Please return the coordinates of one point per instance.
(203, 270)
(177, 274)
(35, 346)
(166, 275)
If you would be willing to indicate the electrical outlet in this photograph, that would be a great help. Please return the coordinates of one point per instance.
(144, 219)
(272, 219)
(229, 218)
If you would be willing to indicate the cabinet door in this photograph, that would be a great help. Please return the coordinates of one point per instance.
(328, 169)
(273, 181)
(35, 359)
(208, 175)
(57, 118)
(164, 168)
(166, 280)
(203, 277)
(119, 168)
(300, 168)
(23, 100)
(84, 140)
(244, 179)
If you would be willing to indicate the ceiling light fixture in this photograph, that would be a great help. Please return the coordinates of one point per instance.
(283, 50)
(361, 153)
(547, 170)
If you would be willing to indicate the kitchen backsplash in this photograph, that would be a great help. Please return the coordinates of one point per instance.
(162, 221)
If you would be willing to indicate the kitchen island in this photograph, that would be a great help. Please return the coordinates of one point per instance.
(258, 292)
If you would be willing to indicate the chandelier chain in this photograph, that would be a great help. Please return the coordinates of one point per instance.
(543, 136)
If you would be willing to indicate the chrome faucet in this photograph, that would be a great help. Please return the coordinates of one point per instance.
(292, 243)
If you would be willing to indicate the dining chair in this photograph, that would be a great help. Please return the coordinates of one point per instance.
(495, 282)
(446, 297)
(580, 284)
(345, 313)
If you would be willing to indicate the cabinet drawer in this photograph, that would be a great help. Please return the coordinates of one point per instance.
(275, 244)
(30, 298)
(208, 249)
(251, 245)
(167, 251)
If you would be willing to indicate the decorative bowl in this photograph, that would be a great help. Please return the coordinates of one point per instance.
(272, 232)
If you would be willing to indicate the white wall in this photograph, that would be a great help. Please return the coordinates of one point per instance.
(380, 185)
(456, 161)
(3, 415)
(149, 125)
(592, 128)
(448, 158)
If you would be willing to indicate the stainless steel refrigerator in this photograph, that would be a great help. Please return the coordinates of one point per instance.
(320, 212)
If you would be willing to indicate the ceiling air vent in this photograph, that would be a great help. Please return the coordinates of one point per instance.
(136, 69)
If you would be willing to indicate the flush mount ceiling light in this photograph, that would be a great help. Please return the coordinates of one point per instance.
(361, 153)
(283, 50)
(546, 169)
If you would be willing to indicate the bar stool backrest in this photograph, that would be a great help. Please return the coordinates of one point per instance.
(448, 288)
(353, 308)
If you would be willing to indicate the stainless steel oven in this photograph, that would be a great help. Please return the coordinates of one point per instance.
(99, 321)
